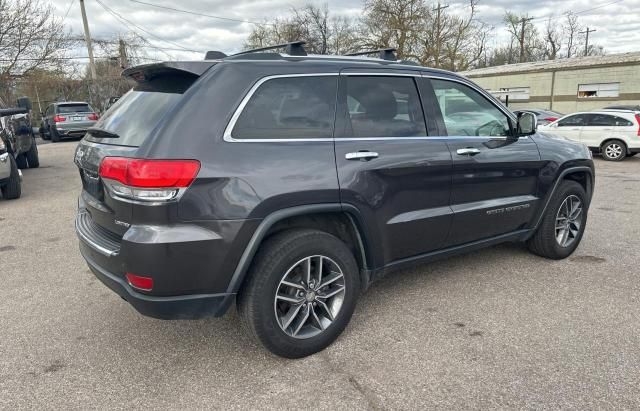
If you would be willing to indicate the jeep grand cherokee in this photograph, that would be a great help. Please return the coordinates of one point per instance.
(288, 183)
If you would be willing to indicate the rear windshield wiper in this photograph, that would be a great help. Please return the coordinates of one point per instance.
(100, 132)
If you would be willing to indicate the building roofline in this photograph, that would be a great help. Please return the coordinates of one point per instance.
(577, 63)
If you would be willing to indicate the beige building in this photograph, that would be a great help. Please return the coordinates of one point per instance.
(565, 85)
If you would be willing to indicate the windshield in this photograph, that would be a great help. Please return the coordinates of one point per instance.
(134, 116)
(74, 108)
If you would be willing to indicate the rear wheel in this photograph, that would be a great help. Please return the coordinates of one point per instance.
(562, 227)
(32, 155)
(614, 150)
(13, 188)
(301, 292)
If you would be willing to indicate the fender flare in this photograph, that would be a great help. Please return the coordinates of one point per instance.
(563, 173)
(258, 236)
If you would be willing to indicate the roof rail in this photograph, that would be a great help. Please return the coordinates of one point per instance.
(385, 54)
(293, 48)
(214, 55)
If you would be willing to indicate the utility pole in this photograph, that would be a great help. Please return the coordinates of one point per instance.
(586, 42)
(87, 38)
(523, 22)
(436, 58)
(122, 48)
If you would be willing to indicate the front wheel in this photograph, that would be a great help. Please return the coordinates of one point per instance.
(301, 292)
(13, 188)
(21, 161)
(563, 224)
(614, 150)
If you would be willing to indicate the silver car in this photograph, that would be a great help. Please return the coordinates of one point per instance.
(67, 119)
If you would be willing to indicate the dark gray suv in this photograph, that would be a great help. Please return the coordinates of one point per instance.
(288, 183)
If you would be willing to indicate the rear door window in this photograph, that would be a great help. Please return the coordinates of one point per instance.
(577, 120)
(74, 108)
(289, 108)
(383, 106)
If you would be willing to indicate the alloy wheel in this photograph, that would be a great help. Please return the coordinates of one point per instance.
(568, 221)
(613, 150)
(309, 296)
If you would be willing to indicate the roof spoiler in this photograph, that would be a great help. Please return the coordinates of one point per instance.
(147, 72)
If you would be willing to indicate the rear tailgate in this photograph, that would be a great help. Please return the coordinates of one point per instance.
(124, 127)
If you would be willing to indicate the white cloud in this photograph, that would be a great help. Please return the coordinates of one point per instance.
(617, 24)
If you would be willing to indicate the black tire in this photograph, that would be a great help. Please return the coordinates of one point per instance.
(53, 133)
(13, 188)
(614, 150)
(256, 300)
(44, 135)
(544, 242)
(21, 161)
(32, 155)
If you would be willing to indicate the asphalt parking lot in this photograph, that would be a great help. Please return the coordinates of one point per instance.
(499, 328)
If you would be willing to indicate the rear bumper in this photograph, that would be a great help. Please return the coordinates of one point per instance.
(165, 308)
(71, 130)
(191, 265)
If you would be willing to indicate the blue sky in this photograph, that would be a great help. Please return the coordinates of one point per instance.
(617, 22)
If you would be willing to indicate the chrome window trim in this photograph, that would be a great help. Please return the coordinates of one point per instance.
(416, 74)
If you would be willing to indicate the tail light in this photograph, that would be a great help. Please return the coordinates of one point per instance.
(638, 121)
(59, 119)
(551, 119)
(148, 180)
(139, 282)
(92, 116)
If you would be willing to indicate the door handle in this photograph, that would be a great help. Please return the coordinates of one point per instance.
(467, 151)
(361, 155)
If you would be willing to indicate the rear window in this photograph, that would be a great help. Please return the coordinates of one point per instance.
(136, 114)
(74, 108)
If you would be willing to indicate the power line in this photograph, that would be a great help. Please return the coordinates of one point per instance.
(200, 14)
(578, 12)
(68, 9)
(119, 16)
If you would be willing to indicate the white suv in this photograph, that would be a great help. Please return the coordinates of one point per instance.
(614, 133)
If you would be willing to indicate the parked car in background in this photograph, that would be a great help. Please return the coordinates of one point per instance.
(18, 136)
(67, 119)
(613, 133)
(544, 116)
(624, 107)
(303, 179)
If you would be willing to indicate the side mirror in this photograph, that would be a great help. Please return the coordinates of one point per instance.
(25, 102)
(527, 124)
